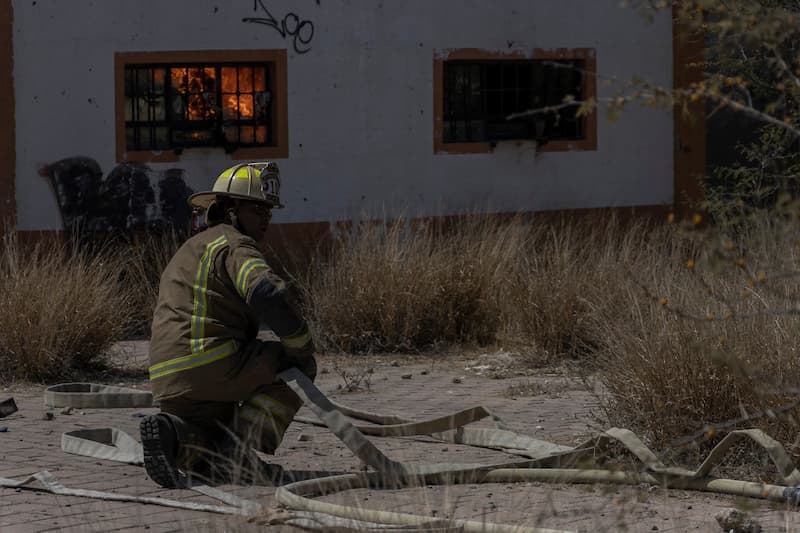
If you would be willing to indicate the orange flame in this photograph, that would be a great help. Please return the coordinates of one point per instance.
(195, 82)
(241, 105)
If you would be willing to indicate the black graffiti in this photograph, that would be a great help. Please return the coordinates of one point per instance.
(301, 31)
(123, 203)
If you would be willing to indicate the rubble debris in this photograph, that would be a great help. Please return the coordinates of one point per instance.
(406, 376)
(735, 521)
(48, 415)
(458, 380)
(67, 410)
(7, 407)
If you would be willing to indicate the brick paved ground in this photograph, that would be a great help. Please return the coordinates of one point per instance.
(562, 413)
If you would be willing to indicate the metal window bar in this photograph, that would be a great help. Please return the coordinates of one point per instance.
(238, 107)
(450, 112)
(144, 123)
(466, 88)
(150, 104)
(134, 106)
(218, 98)
(535, 84)
(168, 96)
(484, 96)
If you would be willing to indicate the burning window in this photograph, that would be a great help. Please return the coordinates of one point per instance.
(480, 94)
(177, 106)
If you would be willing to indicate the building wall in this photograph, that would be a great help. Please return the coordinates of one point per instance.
(7, 141)
(360, 101)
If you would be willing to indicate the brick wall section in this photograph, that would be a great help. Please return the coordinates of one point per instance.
(7, 144)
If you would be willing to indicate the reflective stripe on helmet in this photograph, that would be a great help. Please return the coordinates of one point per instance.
(247, 268)
(258, 181)
(193, 360)
(200, 286)
(246, 173)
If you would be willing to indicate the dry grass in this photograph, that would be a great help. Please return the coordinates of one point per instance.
(554, 275)
(677, 348)
(406, 286)
(708, 342)
(59, 310)
(410, 286)
(147, 258)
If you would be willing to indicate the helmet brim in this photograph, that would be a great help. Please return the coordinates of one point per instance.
(204, 199)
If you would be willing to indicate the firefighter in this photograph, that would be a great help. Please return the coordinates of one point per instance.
(214, 380)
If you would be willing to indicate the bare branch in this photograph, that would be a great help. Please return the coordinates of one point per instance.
(785, 67)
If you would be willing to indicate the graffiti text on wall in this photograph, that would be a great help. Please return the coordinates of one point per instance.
(301, 31)
(124, 202)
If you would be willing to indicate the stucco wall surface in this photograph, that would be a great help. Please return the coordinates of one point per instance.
(360, 102)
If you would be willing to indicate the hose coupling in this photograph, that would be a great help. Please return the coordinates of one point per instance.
(792, 495)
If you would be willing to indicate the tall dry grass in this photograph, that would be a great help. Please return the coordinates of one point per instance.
(404, 286)
(707, 335)
(409, 285)
(60, 309)
(146, 259)
(683, 329)
(677, 349)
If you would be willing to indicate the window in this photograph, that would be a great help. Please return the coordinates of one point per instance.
(169, 102)
(477, 90)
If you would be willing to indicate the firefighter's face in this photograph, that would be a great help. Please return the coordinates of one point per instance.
(254, 219)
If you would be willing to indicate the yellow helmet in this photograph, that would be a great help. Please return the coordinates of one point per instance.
(257, 182)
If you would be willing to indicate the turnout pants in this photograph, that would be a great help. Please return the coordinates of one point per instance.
(245, 404)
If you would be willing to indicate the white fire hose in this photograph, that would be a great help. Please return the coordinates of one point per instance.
(539, 461)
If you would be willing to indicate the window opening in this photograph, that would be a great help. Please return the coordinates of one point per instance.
(479, 95)
(177, 106)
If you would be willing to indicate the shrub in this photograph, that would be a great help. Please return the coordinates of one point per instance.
(558, 269)
(685, 329)
(147, 258)
(705, 342)
(405, 286)
(480, 279)
(60, 309)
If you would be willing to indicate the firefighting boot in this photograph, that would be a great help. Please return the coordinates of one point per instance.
(160, 446)
(173, 449)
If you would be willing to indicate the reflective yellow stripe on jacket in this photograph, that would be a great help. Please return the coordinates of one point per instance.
(245, 271)
(200, 355)
(297, 340)
(193, 360)
(200, 287)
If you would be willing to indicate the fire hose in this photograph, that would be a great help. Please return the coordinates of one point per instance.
(539, 461)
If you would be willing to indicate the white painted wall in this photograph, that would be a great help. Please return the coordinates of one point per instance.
(360, 101)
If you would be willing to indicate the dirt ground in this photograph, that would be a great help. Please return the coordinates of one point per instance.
(548, 405)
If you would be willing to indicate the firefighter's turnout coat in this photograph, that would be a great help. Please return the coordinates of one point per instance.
(205, 323)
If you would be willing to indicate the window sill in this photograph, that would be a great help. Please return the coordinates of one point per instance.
(580, 145)
(171, 156)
